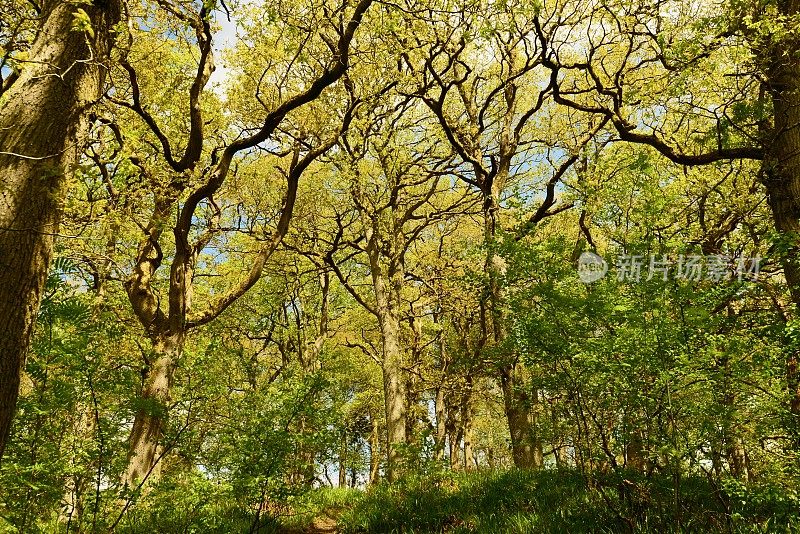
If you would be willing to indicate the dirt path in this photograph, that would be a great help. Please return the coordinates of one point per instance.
(320, 525)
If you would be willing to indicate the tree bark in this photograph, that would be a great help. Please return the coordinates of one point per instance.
(439, 403)
(145, 446)
(782, 180)
(441, 423)
(467, 420)
(634, 452)
(526, 449)
(43, 124)
(374, 452)
(386, 283)
(454, 442)
(342, 479)
(394, 393)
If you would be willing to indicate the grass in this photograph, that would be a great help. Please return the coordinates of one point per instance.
(564, 501)
(485, 502)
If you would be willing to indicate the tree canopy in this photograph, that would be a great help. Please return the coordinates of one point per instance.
(476, 261)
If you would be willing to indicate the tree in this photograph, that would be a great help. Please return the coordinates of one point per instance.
(380, 231)
(487, 116)
(187, 200)
(751, 114)
(46, 101)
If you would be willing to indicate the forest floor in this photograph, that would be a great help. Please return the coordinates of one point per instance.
(551, 501)
(499, 502)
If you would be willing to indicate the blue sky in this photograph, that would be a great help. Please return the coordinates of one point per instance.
(224, 39)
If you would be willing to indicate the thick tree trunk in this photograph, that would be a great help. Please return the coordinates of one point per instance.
(394, 394)
(526, 449)
(386, 283)
(42, 127)
(782, 179)
(144, 447)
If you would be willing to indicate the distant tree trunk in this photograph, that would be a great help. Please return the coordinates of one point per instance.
(42, 128)
(716, 461)
(441, 422)
(467, 420)
(145, 445)
(412, 380)
(455, 450)
(469, 452)
(525, 448)
(306, 470)
(342, 482)
(453, 429)
(310, 360)
(72, 503)
(731, 432)
(634, 457)
(374, 452)
(412, 402)
(739, 460)
(439, 401)
(560, 453)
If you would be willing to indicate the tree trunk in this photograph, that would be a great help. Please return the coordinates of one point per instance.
(467, 420)
(441, 423)
(394, 394)
(782, 180)
(42, 128)
(525, 448)
(634, 453)
(145, 448)
(374, 452)
(387, 284)
(561, 457)
(83, 430)
(738, 460)
(455, 450)
(783, 188)
(469, 453)
(342, 482)
(411, 404)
